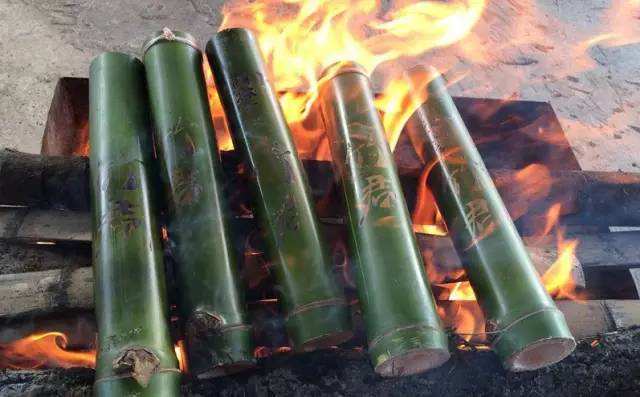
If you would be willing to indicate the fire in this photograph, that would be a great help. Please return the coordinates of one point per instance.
(223, 137)
(181, 355)
(44, 350)
(49, 350)
(462, 291)
(558, 278)
(299, 38)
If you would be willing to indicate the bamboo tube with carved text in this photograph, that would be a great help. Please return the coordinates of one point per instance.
(317, 314)
(218, 335)
(135, 351)
(526, 328)
(404, 331)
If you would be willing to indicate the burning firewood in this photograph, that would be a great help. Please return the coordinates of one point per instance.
(135, 354)
(528, 330)
(317, 315)
(211, 302)
(404, 332)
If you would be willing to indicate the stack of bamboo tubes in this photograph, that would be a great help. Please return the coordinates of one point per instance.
(153, 150)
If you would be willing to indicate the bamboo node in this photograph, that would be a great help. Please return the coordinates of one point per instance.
(139, 363)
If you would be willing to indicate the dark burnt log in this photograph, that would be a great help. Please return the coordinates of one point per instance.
(509, 134)
(46, 291)
(589, 201)
(44, 181)
(45, 227)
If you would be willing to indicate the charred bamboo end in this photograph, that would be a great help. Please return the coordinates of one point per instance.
(235, 32)
(342, 67)
(231, 37)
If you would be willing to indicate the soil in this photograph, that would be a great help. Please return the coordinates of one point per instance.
(605, 366)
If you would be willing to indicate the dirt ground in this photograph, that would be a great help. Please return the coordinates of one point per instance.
(607, 367)
(594, 91)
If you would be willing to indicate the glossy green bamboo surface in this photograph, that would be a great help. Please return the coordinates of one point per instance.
(218, 337)
(317, 315)
(519, 312)
(130, 292)
(403, 328)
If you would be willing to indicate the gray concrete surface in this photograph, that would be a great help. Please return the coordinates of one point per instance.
(528, 49)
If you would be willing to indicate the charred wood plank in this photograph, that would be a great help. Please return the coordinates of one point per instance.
(44, 181)
(46, 291)
(44, 227)
(588, 199)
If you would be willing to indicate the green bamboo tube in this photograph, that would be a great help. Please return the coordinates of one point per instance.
(404, 331)
(218, 338)
(317, 315)
(528, 331)
(135, 351)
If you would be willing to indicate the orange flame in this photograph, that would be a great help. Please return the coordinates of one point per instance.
(49, 350)
(44, 350)
(299, 38)
(462, 291)
(558, 279)
(181, 354)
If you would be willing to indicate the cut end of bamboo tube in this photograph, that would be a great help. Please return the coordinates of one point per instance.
(412, 362)
(342, 67)
(540, 354)
(325, 341)
(168, 35)
(139, 363)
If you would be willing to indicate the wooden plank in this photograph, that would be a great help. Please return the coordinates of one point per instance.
(635, 275)
(46, 291)
(625, 313)
(609, 249)
(44, 227)
(44, 181)
(586, 198)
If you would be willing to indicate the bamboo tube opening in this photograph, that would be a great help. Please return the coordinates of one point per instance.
(412, 362)
(540, 354)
